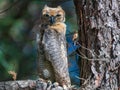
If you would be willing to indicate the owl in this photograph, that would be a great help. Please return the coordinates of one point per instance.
(52, 53)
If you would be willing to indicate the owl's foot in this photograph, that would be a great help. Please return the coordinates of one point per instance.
(42, 84)
(65, 87)
(56, 86)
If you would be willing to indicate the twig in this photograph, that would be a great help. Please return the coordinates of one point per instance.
(93, 54)
(102, 59)
(80, 78)
(85, 80)
(9, 7)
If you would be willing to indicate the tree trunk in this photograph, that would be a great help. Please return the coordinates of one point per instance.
(99, 38)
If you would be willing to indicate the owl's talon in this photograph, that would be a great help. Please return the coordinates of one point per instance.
(49, 86)
(56, 84)
(49, 83)
(65, 87)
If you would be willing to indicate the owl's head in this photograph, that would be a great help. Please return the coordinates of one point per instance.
(53, 15)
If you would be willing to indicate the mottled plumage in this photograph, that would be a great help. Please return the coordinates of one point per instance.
(52, 54)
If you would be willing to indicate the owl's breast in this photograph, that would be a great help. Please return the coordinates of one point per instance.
(54, 44)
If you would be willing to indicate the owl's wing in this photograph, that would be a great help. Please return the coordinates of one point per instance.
(44, 66)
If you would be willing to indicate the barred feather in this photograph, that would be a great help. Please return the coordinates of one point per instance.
(44, 66)
(55, 51)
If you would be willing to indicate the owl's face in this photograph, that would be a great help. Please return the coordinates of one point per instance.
(53, 15)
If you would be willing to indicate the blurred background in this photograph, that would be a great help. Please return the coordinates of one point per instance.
(18, 48)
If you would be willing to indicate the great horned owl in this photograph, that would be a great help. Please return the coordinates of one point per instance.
(52, 53)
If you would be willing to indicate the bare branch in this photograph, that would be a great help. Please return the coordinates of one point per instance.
(91, 59)
(9, 7)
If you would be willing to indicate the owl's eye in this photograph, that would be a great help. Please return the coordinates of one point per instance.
(58, 15)
(46, 15)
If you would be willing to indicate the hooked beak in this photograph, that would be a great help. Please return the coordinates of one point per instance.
(52, 19)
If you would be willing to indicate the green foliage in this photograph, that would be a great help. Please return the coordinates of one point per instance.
(15, 46)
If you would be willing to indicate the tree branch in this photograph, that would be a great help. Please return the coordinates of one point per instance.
(9, 7)
(30, 85)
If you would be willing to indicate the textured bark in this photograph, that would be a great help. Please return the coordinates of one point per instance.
(18, 85)
(29, 85)
(99, 30)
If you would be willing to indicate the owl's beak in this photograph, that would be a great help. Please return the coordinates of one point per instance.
(52, 19)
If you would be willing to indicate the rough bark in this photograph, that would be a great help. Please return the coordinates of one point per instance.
(29, 85)
(99, 33)
(18, 85)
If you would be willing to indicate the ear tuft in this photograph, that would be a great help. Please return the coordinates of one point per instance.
(46, 6)
(59, 7)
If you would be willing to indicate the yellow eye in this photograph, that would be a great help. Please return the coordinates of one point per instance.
(58, 15)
